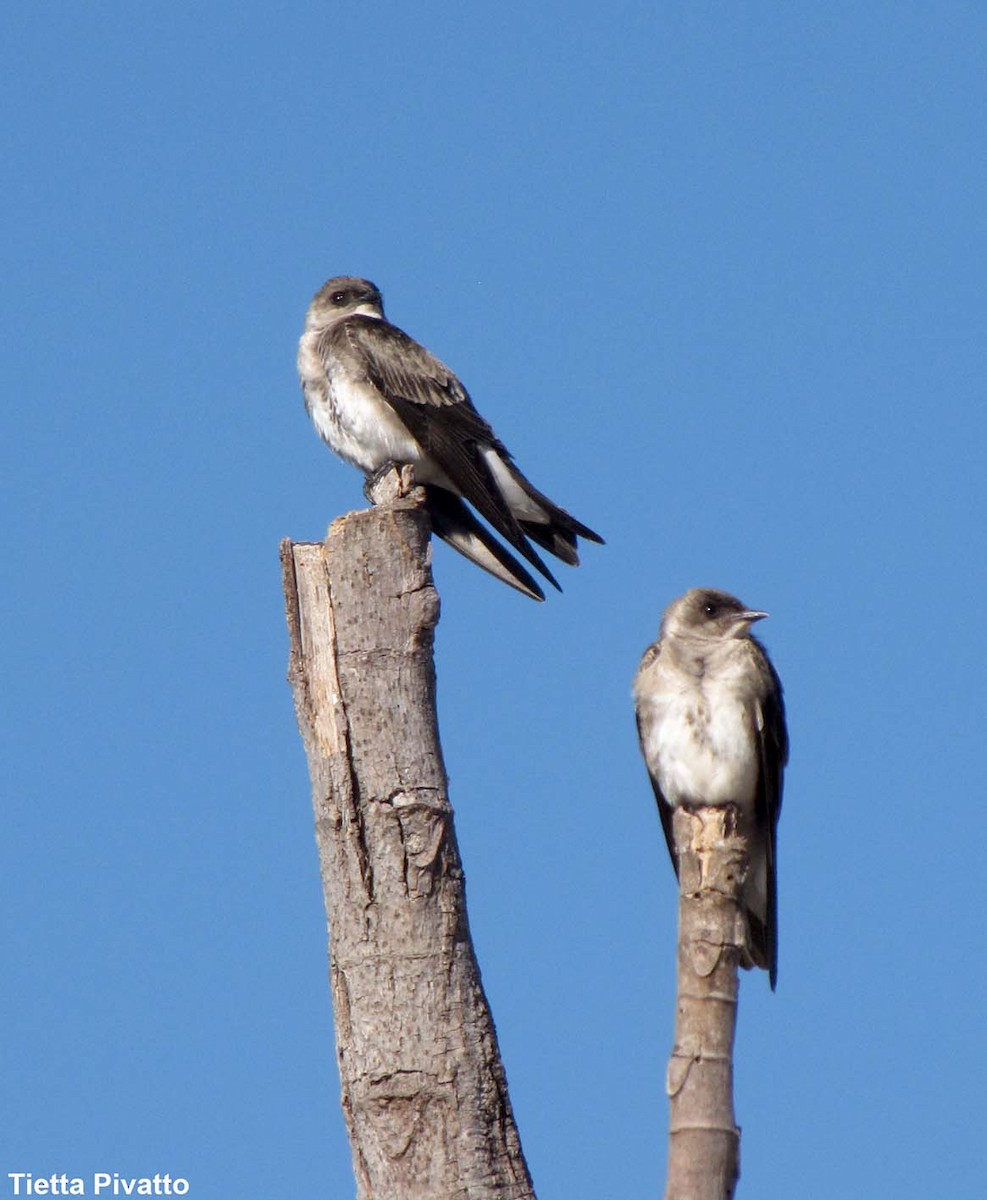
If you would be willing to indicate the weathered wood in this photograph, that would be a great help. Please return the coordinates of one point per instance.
(704, 1141)
(423, 1089)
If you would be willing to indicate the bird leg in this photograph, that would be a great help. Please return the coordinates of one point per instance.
(393, 481)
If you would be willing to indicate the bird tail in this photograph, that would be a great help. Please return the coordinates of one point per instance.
(761, 908)
(761, 948)
(548, 525)
(456, 525)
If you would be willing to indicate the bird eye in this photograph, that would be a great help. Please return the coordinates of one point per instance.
(338, 297)
(709, 609)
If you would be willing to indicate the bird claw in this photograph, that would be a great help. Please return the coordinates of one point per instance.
(393, 481)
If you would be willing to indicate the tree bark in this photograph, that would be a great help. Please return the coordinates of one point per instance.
(424, 1093)
(704, 1140)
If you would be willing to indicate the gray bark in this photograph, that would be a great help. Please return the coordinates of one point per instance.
(424, 1093)
(704, 1141)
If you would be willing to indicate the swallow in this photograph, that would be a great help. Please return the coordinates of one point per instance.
(380, 399)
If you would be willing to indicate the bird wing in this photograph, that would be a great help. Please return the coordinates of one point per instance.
(438, 412)
(648, 659)
(773, 745)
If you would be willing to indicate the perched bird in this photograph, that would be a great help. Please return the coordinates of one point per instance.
(711, 720)
(379, 399)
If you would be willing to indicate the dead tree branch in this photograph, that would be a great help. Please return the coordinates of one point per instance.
(423, 1089)
(704, 1141)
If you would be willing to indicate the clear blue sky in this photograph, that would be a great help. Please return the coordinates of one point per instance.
(715, 272)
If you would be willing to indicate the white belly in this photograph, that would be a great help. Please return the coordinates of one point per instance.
(361, 427)
(356, 422)
(704, 754)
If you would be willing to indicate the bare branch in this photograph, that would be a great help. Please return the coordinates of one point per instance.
(704, 1141)
(423, 1089)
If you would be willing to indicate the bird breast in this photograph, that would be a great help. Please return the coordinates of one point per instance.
(351, 415)
(704, 749)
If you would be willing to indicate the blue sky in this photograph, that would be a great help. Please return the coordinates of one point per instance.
(715, 273)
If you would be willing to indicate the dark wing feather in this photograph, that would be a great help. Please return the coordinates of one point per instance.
(456, 525)
(558, 534)
(664, 808)
(773, 745)
(417, 385)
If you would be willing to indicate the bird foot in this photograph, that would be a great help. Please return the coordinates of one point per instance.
(393, 481)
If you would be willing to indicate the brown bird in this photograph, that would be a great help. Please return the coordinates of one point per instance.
(711, 721)
(379, 398)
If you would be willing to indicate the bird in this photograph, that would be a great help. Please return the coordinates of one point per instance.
(380, 399)
(711, 723)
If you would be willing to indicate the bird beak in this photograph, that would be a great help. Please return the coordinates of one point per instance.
(367, 309)
(750, 617)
